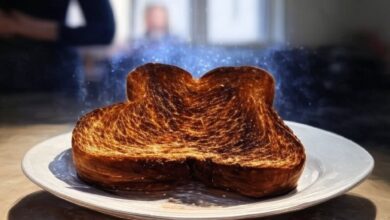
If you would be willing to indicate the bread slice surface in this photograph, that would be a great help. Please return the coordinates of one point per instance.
(220, 129)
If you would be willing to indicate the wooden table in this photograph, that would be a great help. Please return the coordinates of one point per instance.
(21, 199)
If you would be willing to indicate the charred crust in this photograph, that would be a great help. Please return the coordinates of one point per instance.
(220, 130)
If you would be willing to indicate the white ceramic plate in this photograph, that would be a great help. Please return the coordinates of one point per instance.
(334, 165)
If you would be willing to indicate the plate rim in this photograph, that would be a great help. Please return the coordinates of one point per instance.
(130, 213)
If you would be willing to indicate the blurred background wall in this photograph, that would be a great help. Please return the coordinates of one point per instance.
(327, 57)
(298, 22)
(320, 22)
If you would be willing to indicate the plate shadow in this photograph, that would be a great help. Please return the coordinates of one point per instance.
(42, 205)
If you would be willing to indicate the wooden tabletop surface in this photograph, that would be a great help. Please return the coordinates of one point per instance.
(21, 199)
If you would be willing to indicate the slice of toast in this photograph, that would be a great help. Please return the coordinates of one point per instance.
(220, 129)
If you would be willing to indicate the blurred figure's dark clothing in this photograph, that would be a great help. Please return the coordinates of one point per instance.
(34, 65)
(38, 66)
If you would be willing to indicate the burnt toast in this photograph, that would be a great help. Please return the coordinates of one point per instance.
(220, 129)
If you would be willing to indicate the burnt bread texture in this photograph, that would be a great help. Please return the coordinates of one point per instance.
(220, 129)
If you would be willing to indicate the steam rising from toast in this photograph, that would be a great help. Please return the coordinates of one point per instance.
(206, 129)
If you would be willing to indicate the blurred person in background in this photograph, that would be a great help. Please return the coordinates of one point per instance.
(157, 44)
(157, 36)
(37, 48)
(157, 30)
